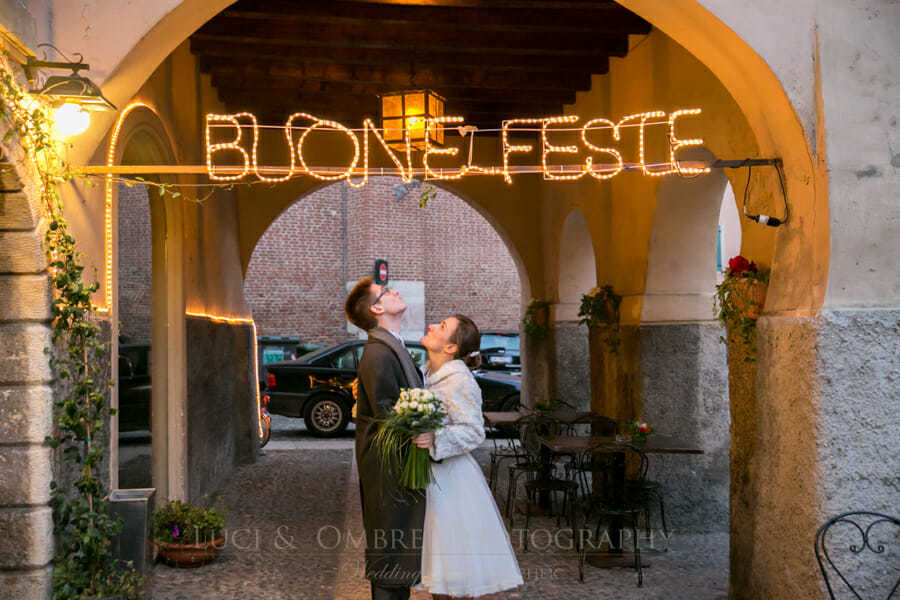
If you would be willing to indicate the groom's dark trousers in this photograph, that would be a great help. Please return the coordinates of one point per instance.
(380, 592)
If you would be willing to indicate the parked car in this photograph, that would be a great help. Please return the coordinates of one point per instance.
(134, 387)
(500, 350)
(274, 348)
(317, 386)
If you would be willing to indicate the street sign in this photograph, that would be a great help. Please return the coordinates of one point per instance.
(381, 272)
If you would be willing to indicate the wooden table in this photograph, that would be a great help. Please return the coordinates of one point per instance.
(576, 444)
(496, 419)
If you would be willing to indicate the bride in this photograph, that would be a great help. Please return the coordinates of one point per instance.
(466, 550)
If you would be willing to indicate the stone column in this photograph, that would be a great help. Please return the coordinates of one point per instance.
(26, 400)
(684, 393)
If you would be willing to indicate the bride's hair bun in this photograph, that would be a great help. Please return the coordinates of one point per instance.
(468, 341)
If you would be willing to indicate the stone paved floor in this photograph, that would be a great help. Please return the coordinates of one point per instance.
(285, 512)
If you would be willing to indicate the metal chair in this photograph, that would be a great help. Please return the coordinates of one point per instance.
(861, 539)
(600, 426)
(569, 490)
(529, 463)
(612, 503)
(510, 451)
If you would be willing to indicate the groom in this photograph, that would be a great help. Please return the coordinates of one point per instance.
(393, 517)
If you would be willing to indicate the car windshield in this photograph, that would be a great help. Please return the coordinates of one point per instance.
(507, 341)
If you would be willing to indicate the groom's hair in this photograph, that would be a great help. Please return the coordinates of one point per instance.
(359, 304)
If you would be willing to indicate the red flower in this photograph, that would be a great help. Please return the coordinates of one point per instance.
(739, 264)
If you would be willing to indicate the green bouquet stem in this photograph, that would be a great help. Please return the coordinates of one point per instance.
(416, 472)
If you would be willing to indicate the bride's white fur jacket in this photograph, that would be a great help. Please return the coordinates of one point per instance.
(463, 431)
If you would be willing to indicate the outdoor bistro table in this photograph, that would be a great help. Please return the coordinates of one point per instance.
(576, 444)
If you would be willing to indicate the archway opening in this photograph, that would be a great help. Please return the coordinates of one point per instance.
(444, 258)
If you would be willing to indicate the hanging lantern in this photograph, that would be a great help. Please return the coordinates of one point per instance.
(409, 111)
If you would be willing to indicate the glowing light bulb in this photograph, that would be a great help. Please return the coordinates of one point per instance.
(70, 119)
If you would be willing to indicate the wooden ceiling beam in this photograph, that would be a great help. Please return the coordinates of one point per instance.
(594, 5)
(614, 22)
(313, 76)
(225, 48)
(362, 94)
(364, 34)
(363, 104)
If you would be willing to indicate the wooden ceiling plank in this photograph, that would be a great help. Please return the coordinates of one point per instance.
(419, 38)
(613, 21)
(388, 79)
(223, 47)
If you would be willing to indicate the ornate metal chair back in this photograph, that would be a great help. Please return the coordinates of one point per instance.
(859, 535)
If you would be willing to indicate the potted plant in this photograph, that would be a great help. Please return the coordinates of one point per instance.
(640, 431)
(600, 308)
(536, 321)
(545, 407)
(188, 536)
(740, 298)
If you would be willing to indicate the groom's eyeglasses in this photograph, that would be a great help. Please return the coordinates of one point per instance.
(384, 291)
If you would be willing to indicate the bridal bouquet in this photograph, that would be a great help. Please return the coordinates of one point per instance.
(416, 411)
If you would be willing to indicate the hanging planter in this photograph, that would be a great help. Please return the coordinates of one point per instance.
(740, 298)
(536, 321)
(600, 310)
(749, 297)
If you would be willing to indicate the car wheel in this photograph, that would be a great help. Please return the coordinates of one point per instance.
(326, 416)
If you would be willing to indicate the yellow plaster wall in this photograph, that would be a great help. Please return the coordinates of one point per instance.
(180, 96)
(657, 74)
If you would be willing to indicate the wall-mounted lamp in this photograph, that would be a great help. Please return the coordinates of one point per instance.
(72, 95)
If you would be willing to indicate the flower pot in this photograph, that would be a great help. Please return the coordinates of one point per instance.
(749, 296)
(189, 556)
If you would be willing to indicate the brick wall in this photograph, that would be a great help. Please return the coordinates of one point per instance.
(135, 261)
(450, 247)
(295, 281)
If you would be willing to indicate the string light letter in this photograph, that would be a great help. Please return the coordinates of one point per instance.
(675, 144)
(429, 149)
(235, 144)
(588, 163)
(547, 148)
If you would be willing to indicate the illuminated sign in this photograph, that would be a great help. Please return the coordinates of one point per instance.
(357, 173)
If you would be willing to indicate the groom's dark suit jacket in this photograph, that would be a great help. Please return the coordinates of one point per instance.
(393, 517)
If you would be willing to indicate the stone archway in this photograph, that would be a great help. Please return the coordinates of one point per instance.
(143, 139)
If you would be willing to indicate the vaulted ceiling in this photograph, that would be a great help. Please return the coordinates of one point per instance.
(491, 59)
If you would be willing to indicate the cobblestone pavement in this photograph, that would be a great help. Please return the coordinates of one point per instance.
(285, 514)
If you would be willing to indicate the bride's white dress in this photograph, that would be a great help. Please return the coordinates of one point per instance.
(465, 547)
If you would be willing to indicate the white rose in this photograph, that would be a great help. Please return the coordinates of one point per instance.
(428, 408)
(414, 405)
(403, 404)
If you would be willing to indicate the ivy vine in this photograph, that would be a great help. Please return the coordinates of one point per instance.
(600, 310)
(84, 566)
